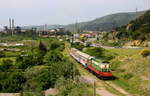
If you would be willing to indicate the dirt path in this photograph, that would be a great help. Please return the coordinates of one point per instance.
(9, 94)
(100, 90)
(51, 91)
(103, 92)
(117, 88)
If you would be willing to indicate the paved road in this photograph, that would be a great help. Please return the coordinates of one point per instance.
(117, 47)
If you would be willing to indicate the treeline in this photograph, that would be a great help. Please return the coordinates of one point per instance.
(36, 70)
(138, 29)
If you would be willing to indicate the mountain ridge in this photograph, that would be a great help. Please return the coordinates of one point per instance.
(107, 22)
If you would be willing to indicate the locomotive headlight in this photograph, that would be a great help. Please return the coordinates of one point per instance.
(107, 66)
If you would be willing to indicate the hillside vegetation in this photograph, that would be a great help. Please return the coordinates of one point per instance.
(107, 22)
(39, 65)
(138, 29)
(132, 71)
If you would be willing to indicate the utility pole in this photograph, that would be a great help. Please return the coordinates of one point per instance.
(94, 89)
(45, 27)
(76, 27)
(39, 33)
(114, 24)
(136, 9)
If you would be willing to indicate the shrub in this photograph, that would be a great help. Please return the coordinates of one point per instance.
(77, 45)
(127, 76)
(11, 81)
(108, 55)
(2, 54)
(97, 52)
(68, 87)
(115, 64)
(145, 52)
(6, 65)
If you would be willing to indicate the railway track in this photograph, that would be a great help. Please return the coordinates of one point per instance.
(107, 86)
(109, 83)
(103, 88)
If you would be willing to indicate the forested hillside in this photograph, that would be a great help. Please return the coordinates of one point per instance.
(107, 22)
(138, 29)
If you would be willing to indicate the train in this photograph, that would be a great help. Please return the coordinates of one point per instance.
(94, 65)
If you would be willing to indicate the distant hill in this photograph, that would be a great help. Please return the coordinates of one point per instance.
(107, 22)
(103, 23)
(138, 29)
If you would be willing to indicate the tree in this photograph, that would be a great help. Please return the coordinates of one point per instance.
(42, 47)
(6, 64)
(53, 56)
(97, 52)
(54, 45)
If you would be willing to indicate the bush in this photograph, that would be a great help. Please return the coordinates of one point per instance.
(68, 87)
(2, 54)
(77, 45)
(11, 82)
(115, 64)
(145, 52)
(95, 51)
(108, 55)
(127, 76)
(6, 65)
(101, 53)
(38, 78)
(55, 45)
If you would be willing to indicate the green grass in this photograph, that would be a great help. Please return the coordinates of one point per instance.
(130, 68)
(10, 58)
(9, 55)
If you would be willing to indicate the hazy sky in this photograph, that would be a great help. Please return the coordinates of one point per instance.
(37, 12)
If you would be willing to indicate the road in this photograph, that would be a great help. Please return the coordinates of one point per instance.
(128, 47)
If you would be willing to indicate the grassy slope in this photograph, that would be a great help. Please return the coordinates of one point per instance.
(132, 71)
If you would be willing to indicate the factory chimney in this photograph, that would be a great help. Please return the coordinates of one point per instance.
(13, 26)
(10, 23)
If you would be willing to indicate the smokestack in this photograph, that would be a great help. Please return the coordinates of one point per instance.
(13, 25)
(10, 24)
